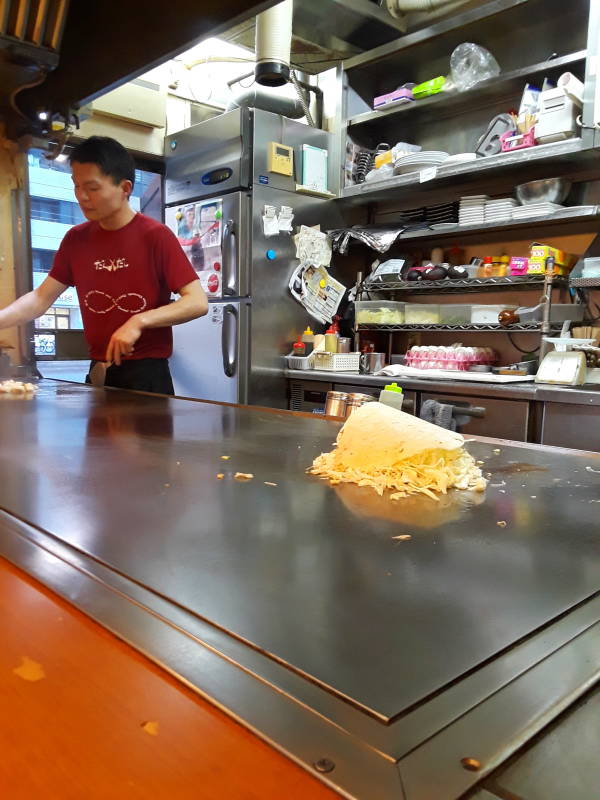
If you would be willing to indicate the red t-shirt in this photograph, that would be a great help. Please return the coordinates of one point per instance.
(120, 273)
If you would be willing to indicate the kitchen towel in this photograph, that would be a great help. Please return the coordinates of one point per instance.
(442, 414)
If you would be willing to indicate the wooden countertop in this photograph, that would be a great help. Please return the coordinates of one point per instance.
(73, 717)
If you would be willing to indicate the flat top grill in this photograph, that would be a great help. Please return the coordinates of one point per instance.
(307, 573)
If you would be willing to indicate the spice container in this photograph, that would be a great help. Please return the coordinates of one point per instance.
(335, 404)
(356, 400)
(344, 343)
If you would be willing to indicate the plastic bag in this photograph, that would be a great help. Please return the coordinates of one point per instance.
(470, 64)
(385, 171)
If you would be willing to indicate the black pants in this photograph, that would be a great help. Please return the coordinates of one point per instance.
(142, 374)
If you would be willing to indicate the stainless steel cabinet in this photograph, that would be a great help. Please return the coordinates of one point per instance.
(569, 425)
(503, 419)
(308, 395)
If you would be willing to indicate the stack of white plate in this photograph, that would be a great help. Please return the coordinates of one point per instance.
(499, 210)
(415, 162)
(535, 210)
(472, 209)
(460, 158)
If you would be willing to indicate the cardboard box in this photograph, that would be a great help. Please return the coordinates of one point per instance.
(563, 262)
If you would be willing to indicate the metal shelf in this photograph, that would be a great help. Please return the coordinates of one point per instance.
(494, 86)
(584, 283)
(525, 327)
(431, 32)
(571, 150)
(564, 217)
(448, 286)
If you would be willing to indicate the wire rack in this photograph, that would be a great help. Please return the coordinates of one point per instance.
(462, 285)
(525, 327)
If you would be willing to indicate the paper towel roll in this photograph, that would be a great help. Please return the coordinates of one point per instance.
(572, 87)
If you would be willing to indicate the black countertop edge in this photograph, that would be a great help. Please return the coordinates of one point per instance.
(546, 393)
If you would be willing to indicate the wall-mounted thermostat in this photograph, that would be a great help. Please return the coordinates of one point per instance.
(281, 159)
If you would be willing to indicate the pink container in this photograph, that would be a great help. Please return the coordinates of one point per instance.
(519, 266)
(510, 140)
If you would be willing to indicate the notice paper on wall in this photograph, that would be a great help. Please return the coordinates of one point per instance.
(286, 215)
(313, 246)
(314, 288)
(270, 223)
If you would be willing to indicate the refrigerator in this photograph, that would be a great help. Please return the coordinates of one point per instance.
(217, 184)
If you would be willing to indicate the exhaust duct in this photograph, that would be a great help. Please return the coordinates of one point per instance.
(273, 45)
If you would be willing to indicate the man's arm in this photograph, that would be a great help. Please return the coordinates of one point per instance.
(192, 303)
(31, 305)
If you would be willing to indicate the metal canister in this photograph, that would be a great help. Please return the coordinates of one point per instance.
(355, 400)
(344, 344)
(335, 405)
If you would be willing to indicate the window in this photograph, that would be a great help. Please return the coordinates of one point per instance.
(51, 210)
(42, 260)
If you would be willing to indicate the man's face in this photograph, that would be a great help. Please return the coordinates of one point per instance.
(97, 194)
(207, 217)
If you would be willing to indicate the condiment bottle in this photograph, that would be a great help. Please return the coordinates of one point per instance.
(299, 348)
(391, 395)
(487, 269)
(308, 338)
(331, 340)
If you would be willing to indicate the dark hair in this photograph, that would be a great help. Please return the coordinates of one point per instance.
(109, 155)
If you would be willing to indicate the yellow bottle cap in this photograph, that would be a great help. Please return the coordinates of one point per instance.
(308, 331)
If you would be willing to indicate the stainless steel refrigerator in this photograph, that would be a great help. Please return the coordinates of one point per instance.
(217, 185)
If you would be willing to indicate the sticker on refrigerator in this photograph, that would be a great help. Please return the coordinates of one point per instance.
(216, 314)
(263, 179)
(199, 230)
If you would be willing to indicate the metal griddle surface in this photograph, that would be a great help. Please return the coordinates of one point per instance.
(306, 572)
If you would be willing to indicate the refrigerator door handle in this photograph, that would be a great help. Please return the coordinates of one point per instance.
(230, 259)
(229, 338)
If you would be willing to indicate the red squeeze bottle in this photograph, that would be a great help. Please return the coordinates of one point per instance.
(299, 347)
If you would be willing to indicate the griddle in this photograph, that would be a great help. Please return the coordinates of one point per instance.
(300, 586)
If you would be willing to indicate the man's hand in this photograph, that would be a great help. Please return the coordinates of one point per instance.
(123, 340)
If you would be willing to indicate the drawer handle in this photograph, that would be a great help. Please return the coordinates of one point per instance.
(468, 411)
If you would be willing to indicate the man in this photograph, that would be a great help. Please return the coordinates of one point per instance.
(189, 238)
(124, 266)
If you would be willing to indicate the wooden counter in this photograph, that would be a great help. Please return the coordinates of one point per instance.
(78, 731)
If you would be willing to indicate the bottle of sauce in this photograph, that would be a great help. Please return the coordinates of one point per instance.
(331, 340)
(487, 268)
(308, 338)
(391, 395)
(298, 348)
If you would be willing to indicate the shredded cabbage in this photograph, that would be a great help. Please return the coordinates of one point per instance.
(431, 472)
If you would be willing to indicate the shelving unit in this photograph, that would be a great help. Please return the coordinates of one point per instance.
(527, 327)
(452, 100)
(531, 39)
(465, 285)
(560, 154)
(584, 283)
